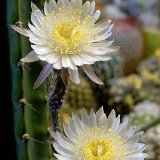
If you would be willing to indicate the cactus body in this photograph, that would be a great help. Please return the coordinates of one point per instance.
(80, 96)
(127, 34)
(30, 112)
(106, 71)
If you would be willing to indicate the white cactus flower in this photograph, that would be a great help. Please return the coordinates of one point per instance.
(66, 35)
(96, 137)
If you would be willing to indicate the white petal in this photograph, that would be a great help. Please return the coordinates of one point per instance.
(67, 62)
(102, 57)
(58, 64)
(101, 45)
(80, 60)
(130, 132)
(85, 7)
(79, 4)
(33, 29)
(123, 127)
(96, 15)
(35, 40)
(88, 70)
(141, 147)
(136, 156)
(74, 75)
(41, 50)
(63, 140)
(106, 29)
(64, 157)
(89, 58)
(94, 51)
(30, 57)
(84, 117)
(103, 24)
(110, 27)
(70, 134)
(60, 3)
(46, 8)
(78, 124)
(66, 3)
(73, 4)
(94, 54)
(43, 75)
(92, 117)
(101, 117)
(34, 7)
(116, 124)
(39, 14)
(92, 8)
(72, 127)
(35, 20)
(112, 49)
(50, 58)
(20, 30)
(32, 35)
(134, 138)
(103, 36)
(52, 6)
(63, 151)
(111, 118)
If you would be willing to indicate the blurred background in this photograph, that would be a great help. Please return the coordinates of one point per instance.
(132, 77)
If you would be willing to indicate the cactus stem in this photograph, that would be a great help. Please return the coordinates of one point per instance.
(55, 94)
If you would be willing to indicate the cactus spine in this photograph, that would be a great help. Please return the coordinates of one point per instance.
(30, 112)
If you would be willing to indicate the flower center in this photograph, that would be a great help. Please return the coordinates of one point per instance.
(97, 145)
(98, 150)
(67, 31)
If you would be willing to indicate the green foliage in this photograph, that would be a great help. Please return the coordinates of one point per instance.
(30, 111)
(152, 41)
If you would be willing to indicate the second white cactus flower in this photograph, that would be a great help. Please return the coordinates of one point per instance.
(97, 137)
(66, 35)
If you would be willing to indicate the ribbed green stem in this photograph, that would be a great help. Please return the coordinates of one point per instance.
(17, 93)
(30, 111)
